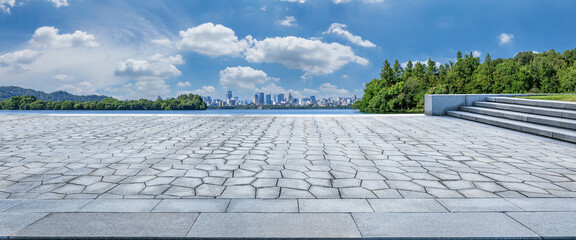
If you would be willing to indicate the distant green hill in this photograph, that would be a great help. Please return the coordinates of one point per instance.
(11, 91)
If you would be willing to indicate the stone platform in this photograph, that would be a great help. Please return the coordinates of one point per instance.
(348, 176)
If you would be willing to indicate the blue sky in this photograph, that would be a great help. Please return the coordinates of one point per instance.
(327, 48)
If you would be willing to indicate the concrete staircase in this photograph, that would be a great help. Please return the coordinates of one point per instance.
(552, 119)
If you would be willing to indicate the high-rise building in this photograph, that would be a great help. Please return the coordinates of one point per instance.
(280, 98)
(313, 99)
(268, 99)
(230, 99)
(261, 98)
(207, 99)
(289, 97)
(255, 101)
(229, 95)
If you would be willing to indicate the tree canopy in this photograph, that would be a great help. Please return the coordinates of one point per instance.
(402, 89)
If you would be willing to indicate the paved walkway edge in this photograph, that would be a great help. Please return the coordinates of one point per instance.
(272, 238)
(485, 218)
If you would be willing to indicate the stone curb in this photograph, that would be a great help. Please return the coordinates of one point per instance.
(247, 205)
(496, 218)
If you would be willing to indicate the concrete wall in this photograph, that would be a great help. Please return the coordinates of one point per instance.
(437, 105)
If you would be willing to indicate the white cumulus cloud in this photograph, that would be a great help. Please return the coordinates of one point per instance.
(340, 29)
(243, 77)
(25, 56)
(64, 78)
(365, 1)
(183, 84)
(162, 42)
(150, 89)
(205, 91)
(60, 3)
(5, 5)
(505, 38)
(82, 88)
(288, 21)
(311, 56)
(328, 89)
(212, 40)
(298, 1)
(272, 88)
(476, 53)
(48, 37)
(155, 67)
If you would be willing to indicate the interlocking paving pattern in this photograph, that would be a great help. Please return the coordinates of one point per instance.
(367, 156)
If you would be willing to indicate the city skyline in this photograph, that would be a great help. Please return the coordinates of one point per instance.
(260, 98)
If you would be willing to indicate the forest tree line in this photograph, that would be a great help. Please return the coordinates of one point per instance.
(182, 102)
(402, 89)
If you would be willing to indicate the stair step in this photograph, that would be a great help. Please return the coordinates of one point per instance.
(552, 112)
(525, 117)
(534, 102)
(546, 131)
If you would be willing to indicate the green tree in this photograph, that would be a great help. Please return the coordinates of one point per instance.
(37, 105)
(403, 90)
(387, 74)
(548, 79)
(183, 102)
(568, 81)
(408, 70)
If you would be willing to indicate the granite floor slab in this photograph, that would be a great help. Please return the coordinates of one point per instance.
(192, 205)
(13, 222)
(440, 225)
(50, 205)
(120, 205)
(548, 224)
(263, 205)
(406, 205)
(479, 205)
(7, 204)
(545, 204)
(111, 225)
(334, 205)
(274, 225)
(294, 218)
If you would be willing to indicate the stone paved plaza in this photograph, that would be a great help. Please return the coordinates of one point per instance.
(281, 177)
(295, 157)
